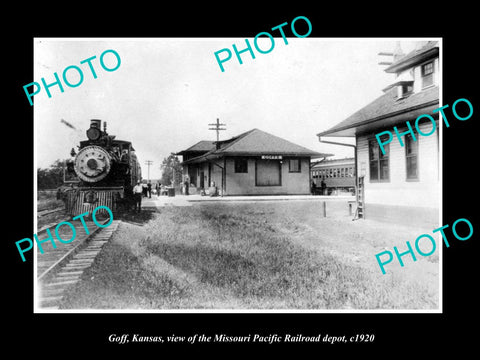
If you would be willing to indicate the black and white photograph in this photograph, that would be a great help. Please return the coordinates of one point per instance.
(253, 186)
(224, 181)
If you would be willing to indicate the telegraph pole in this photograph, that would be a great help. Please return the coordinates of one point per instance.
(217, 128)
(148, 163)
(174, 157)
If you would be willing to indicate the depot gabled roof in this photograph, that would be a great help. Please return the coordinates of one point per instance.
(385, 111)
(256, 142)
(201, 146)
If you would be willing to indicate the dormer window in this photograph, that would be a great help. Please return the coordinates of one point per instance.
(407, 88)
(404, 89)
(427, 74)
(403, 83)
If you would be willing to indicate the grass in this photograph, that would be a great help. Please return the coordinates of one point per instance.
(247, 256)
(47, 200)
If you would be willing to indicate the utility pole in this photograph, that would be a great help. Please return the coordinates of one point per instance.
(217, 128)
(174, 157)
(148, 163)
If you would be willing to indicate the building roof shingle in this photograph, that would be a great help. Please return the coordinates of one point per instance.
(385, 106)
(203, 145)
(256, 142)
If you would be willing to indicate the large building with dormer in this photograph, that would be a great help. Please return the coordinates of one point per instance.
(402, 185)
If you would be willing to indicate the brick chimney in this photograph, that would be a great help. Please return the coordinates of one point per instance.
(397, 52)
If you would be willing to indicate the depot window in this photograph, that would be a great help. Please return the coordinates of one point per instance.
(241, 165)
(427, 74)
(379, 163)
(294, 165)
(411, 155)
(407, 89)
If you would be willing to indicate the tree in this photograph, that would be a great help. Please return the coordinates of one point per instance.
(50, 178)
(171, 165)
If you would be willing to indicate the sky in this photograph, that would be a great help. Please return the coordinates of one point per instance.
(167, 90)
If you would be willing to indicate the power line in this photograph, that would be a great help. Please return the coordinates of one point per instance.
(148, 163)
(217, 128)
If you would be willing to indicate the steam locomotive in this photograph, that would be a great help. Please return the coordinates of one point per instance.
(106, 168)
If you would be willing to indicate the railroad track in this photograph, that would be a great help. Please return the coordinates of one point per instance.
(60, 268)
(41, 213)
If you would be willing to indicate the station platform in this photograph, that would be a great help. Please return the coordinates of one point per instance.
(190, 200)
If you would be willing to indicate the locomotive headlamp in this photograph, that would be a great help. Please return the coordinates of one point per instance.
(93, 133)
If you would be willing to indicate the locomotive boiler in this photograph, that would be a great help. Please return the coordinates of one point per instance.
(106, 168)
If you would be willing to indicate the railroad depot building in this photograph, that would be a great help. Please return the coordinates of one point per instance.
(252, 163)
(403, 184)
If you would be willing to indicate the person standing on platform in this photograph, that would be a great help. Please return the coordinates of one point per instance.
(187, 184)
(323, 186)
(137, 195)
(149, 189)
